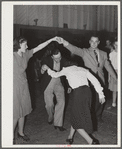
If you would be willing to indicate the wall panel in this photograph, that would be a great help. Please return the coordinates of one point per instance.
(87, 17)
(21, 15)
(33, 14)
(60, 17)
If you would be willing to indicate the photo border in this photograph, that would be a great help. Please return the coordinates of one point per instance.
(7, 70)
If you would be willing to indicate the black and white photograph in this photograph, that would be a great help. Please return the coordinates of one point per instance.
(61, 74)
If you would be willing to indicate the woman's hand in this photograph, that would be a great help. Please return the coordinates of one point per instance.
(44, 68)
(53, 39)
(62, 41)
(102, 100)
(58, 39)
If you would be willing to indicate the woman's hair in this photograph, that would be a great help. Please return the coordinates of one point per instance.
(112, 44)
(71, 63)
(17, 42)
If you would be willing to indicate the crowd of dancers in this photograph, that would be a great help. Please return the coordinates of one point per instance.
(59, 75)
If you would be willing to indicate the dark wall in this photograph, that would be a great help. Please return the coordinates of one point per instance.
(80, 38)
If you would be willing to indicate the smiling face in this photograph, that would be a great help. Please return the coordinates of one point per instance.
(94, 42)
(23, 46)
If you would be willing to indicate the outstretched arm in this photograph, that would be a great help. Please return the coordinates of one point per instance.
(73, 49)
(97, 87)
(52, 73)
(44, 44)
(55, 74)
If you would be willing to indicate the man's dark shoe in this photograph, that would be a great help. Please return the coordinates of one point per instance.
(70, 141)
(95, 141)
(50, 122)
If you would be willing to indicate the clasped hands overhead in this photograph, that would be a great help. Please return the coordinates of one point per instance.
(58, 39)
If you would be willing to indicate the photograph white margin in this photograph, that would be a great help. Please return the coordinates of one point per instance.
(7, 70)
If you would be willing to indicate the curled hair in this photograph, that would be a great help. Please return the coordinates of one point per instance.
(17, 42)
(71, 63)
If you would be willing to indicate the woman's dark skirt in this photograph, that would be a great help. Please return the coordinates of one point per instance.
(80, 109)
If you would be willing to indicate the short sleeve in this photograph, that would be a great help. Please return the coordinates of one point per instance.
(29, 54)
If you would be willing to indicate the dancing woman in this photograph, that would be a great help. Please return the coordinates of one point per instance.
(21, 95)
(81, 101)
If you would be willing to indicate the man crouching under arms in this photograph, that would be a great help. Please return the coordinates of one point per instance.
(54, 86)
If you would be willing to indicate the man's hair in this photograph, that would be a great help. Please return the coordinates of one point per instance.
(95, 35)
(54, 48)
(55, 51)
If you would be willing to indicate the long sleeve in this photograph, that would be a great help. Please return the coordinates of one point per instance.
(109, 68)
(75, 50)
(55, 74)
(96, 84)
(113, 59)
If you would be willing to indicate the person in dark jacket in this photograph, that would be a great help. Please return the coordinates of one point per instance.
(54, 86)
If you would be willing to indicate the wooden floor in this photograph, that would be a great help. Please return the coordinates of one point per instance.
(41, 133)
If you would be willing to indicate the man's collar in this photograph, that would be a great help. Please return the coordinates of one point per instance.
(91, 49)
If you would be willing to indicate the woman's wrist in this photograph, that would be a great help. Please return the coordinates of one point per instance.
(48, 41)
(65, 43)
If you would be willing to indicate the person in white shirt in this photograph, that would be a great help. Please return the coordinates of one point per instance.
(113, 56)
(81, 101)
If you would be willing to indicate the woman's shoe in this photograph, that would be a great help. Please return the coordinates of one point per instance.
(50, 122)
(60, 128)
(95, 141)
(26, 138)
(70, 141)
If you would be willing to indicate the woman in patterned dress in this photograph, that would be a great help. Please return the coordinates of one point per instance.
(21, 95)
